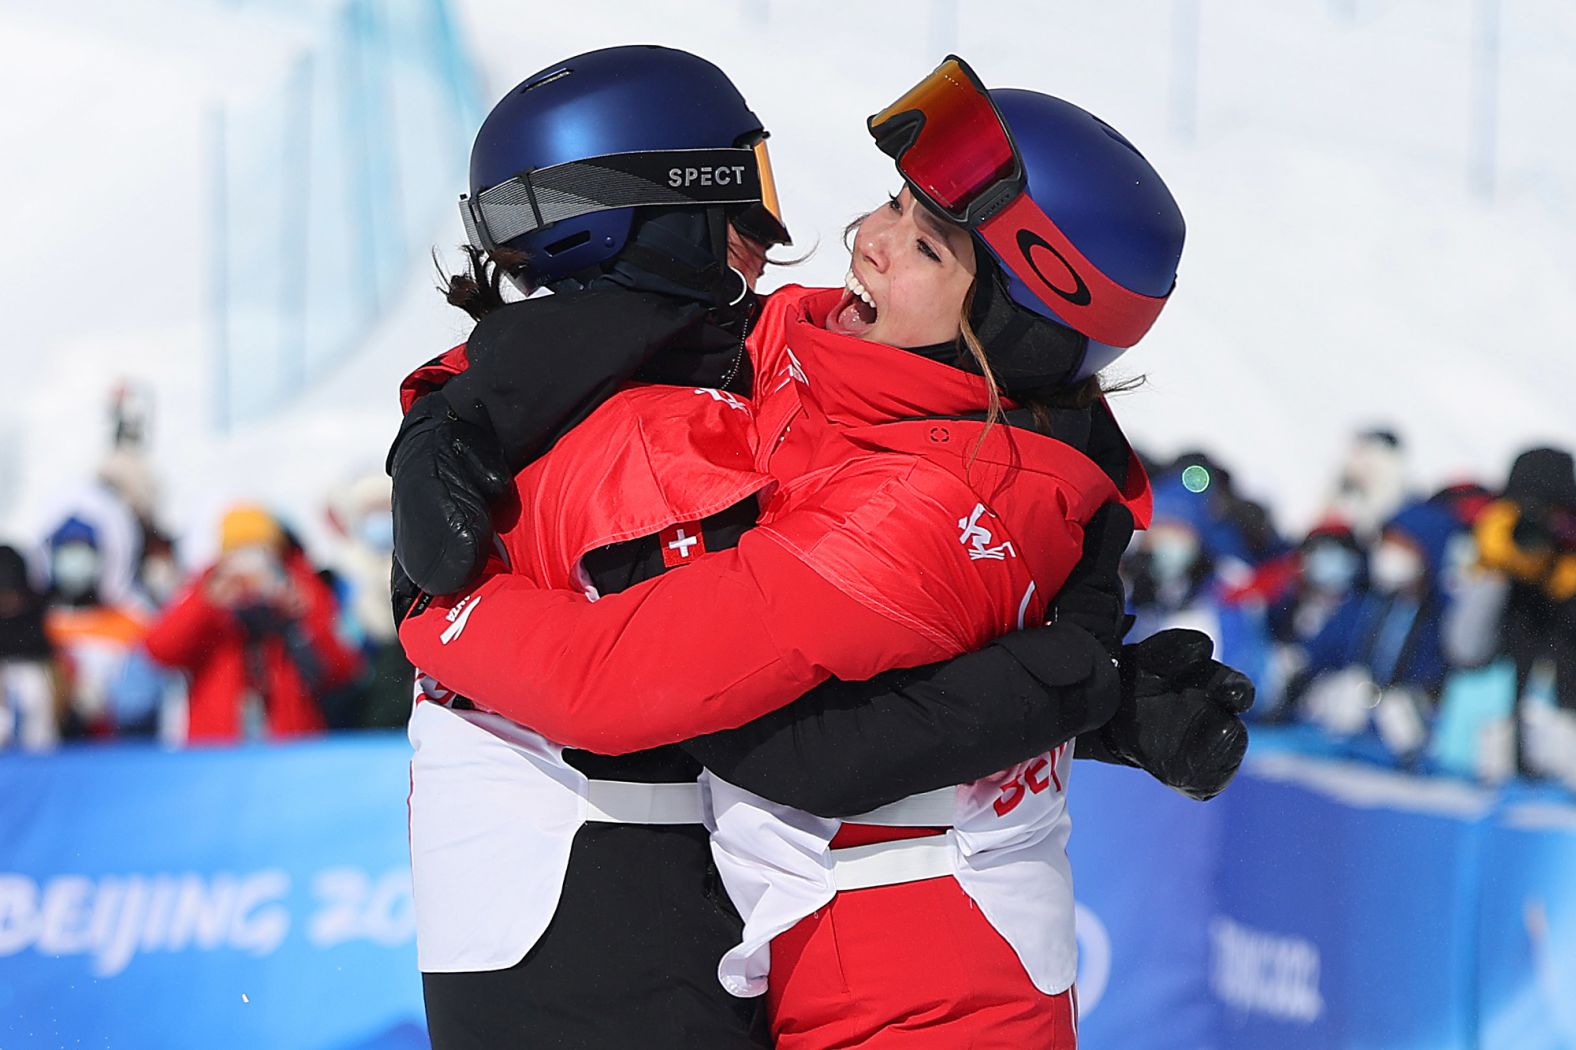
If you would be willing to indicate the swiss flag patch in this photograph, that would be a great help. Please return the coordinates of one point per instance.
(681, 543)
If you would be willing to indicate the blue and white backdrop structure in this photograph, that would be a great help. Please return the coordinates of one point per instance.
(260, 898)
(322, 183)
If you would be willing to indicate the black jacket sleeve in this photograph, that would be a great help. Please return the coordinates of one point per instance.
(538, 367)
(849, 747)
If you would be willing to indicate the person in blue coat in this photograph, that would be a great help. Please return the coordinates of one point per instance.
(1392, 632)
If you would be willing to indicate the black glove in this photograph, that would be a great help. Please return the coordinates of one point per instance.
(260, 620)
(1179, 719)
(535, 369)
(447, 472)
(1093, 598)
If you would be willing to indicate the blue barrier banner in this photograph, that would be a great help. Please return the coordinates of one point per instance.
(1143, 864)
(256, 897)
(1345, 909)
(1527, 929)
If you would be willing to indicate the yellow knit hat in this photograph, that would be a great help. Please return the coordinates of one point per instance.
(248, 525)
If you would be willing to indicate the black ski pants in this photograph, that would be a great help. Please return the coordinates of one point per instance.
(629, 960)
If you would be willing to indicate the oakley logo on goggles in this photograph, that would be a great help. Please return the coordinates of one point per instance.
(536, 199)
(958, 156)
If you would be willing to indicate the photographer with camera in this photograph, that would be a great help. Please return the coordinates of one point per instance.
(255, 632)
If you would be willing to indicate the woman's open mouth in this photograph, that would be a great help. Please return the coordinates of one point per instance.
(856, 312)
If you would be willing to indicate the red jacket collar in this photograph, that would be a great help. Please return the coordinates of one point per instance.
(853, 381)
(879, 392)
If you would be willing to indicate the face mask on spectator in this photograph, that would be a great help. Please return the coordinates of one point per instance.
(377, 530)
(160, 577)
(1330, 567)
(1395, 566)
(1172, 552)
(74, 568)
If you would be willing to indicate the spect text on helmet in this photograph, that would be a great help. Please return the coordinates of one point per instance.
(722, 175)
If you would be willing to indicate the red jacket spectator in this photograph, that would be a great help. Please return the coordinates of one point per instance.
(256, 634)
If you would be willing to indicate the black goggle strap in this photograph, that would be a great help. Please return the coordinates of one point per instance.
(537, 199)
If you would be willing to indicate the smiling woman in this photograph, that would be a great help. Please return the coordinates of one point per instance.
(909, 276)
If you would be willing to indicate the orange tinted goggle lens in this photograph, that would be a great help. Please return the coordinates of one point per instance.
(763, 164)
(947, 139)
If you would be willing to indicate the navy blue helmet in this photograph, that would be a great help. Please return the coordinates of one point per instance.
(564, 159)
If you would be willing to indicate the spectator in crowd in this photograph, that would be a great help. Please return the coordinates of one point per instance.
(108, 687)
(1302, 590)
(1477, 592)
(114, 536)
(126, 473)
(159, 573)
(1372, 484)
(29, 700)
(1386, 643)
(1238, 531)
(1529, 537)
(256, 633)
(360, 513)
(1467, 500)
(1174, 579)
(1330, 567)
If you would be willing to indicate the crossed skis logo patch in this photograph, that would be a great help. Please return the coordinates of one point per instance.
(458, 617)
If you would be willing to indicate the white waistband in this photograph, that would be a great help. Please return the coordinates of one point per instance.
(889, 863)
(933, 809)
(622, 802)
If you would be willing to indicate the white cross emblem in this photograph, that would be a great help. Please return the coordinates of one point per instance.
(723, 396)
(683, 544)
(977, 538)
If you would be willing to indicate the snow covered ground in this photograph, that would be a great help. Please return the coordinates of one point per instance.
(1341, 269)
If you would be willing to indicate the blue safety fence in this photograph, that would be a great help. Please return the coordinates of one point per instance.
(249, 898)
(1325, 904)
(259, 898)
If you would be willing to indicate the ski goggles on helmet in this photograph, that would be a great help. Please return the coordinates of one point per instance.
(958, 156)
(536, 199)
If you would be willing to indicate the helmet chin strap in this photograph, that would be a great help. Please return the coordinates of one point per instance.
(678, 252)
(671, 251)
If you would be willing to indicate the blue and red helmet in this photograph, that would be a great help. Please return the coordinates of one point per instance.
(564, 159)
(1084, 229)
(1102, 193)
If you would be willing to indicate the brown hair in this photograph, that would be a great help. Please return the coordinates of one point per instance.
(479, 290)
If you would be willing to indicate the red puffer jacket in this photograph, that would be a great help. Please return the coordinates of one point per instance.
(885, 540)
(210, 643)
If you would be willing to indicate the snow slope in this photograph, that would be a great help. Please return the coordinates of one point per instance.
(1341, 270)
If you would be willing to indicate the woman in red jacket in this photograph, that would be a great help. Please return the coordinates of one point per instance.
(256, 634)
(895, 531)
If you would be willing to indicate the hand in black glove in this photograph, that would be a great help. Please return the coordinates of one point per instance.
(447, 472)
(1179, 719)
(535, 369)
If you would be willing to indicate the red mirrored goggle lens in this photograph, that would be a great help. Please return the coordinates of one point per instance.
(948, 140)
